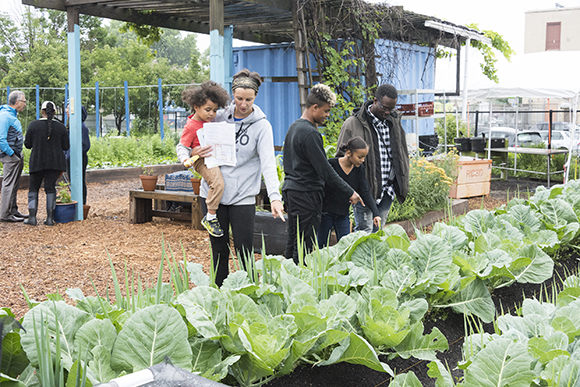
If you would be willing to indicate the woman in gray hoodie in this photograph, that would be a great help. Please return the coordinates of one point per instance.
(255, 158)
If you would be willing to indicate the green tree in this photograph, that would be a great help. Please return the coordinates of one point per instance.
(452, 128)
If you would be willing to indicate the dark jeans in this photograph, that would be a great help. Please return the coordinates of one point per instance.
(50, 176)
(341, 224)
(241, 219)
(304, 210)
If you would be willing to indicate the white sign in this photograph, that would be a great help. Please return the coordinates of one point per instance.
(222, 137)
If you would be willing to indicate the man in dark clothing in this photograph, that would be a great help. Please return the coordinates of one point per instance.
(307, 171)
(378, 122)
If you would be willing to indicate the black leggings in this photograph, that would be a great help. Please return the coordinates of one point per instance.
(50, 176)
(241, 219)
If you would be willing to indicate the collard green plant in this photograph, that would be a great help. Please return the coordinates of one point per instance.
(363, 297)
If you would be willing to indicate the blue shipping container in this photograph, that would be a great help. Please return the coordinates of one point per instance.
(403, 65)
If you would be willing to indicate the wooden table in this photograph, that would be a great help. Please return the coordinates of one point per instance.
(142, 209)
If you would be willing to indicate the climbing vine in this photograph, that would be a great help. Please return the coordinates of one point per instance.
(497, 43)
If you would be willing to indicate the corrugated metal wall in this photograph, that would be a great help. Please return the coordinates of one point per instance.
(403, 65)
(407, 67)
(279, 100)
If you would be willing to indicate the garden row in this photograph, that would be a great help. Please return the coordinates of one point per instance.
(364, 297)
(539, 346)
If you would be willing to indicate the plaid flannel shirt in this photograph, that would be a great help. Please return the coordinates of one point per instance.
(382, 130)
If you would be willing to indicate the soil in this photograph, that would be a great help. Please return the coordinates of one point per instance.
(45, 260)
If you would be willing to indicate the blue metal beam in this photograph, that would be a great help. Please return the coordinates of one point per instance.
(97, 107)
(37, 102)
(127, 114)
(160, 103)
(75, 110)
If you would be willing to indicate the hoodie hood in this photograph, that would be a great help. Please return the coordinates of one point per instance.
(228, 115)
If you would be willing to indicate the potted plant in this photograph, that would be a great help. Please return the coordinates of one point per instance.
(148, 179)
(195, 181)
(65, 208)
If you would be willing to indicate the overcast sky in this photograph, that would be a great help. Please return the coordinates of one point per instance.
(506, 17)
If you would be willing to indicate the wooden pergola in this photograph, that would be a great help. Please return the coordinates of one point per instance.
(261, 21)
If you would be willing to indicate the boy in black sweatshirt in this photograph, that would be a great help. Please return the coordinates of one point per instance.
(307, 171)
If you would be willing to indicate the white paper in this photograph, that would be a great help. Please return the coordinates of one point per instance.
(222, 136)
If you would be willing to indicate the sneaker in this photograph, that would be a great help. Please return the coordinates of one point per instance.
(213, 227)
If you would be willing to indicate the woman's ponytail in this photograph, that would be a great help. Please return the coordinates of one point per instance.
(49, 110)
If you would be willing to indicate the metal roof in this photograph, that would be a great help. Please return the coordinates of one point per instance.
(262, 21)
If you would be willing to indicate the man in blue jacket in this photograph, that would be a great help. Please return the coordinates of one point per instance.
(11, 140)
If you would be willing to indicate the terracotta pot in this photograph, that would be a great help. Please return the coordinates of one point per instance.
(149, 182)
(196, 183)
(86, 209)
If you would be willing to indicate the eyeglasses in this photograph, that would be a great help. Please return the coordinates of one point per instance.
(387, 109)
(22, 100)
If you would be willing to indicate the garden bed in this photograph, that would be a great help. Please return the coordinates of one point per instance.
(49, 259)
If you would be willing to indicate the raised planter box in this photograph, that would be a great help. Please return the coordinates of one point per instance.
(274, 230)
(473, 178)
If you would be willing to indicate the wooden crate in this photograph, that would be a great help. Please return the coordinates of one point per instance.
(473, 178)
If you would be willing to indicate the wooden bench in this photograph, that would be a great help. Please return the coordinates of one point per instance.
(142, 208)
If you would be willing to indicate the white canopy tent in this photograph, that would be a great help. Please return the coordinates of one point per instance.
(540, 75)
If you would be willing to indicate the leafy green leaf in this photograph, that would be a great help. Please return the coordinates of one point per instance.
(70, 319)
(356, 350)
(502, 362)
(148, 336)
(474, 299)
(14, 360)
(420, 346)
(432, 258)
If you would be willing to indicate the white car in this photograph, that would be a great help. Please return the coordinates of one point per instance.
(560, 139)
(557, 125)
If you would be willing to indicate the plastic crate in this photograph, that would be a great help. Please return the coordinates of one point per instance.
(425, 109)
(428, 143)
(406, 109)
(463, 144)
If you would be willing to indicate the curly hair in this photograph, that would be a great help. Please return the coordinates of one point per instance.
(320, 94)
(209, 90)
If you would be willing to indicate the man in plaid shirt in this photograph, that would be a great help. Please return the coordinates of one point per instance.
(378, 122)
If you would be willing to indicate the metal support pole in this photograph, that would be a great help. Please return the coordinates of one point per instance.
(37, 102)
(65, 117)
(466, 63)
(127, 114)
(97, 107)
(160, 104)
(75, 110)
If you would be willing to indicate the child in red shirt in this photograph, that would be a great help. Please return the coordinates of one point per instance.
(205, 101)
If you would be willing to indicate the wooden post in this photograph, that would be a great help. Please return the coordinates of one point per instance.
(216, 45)
(299, 44)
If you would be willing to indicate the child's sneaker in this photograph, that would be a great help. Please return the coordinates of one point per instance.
(213, 227)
